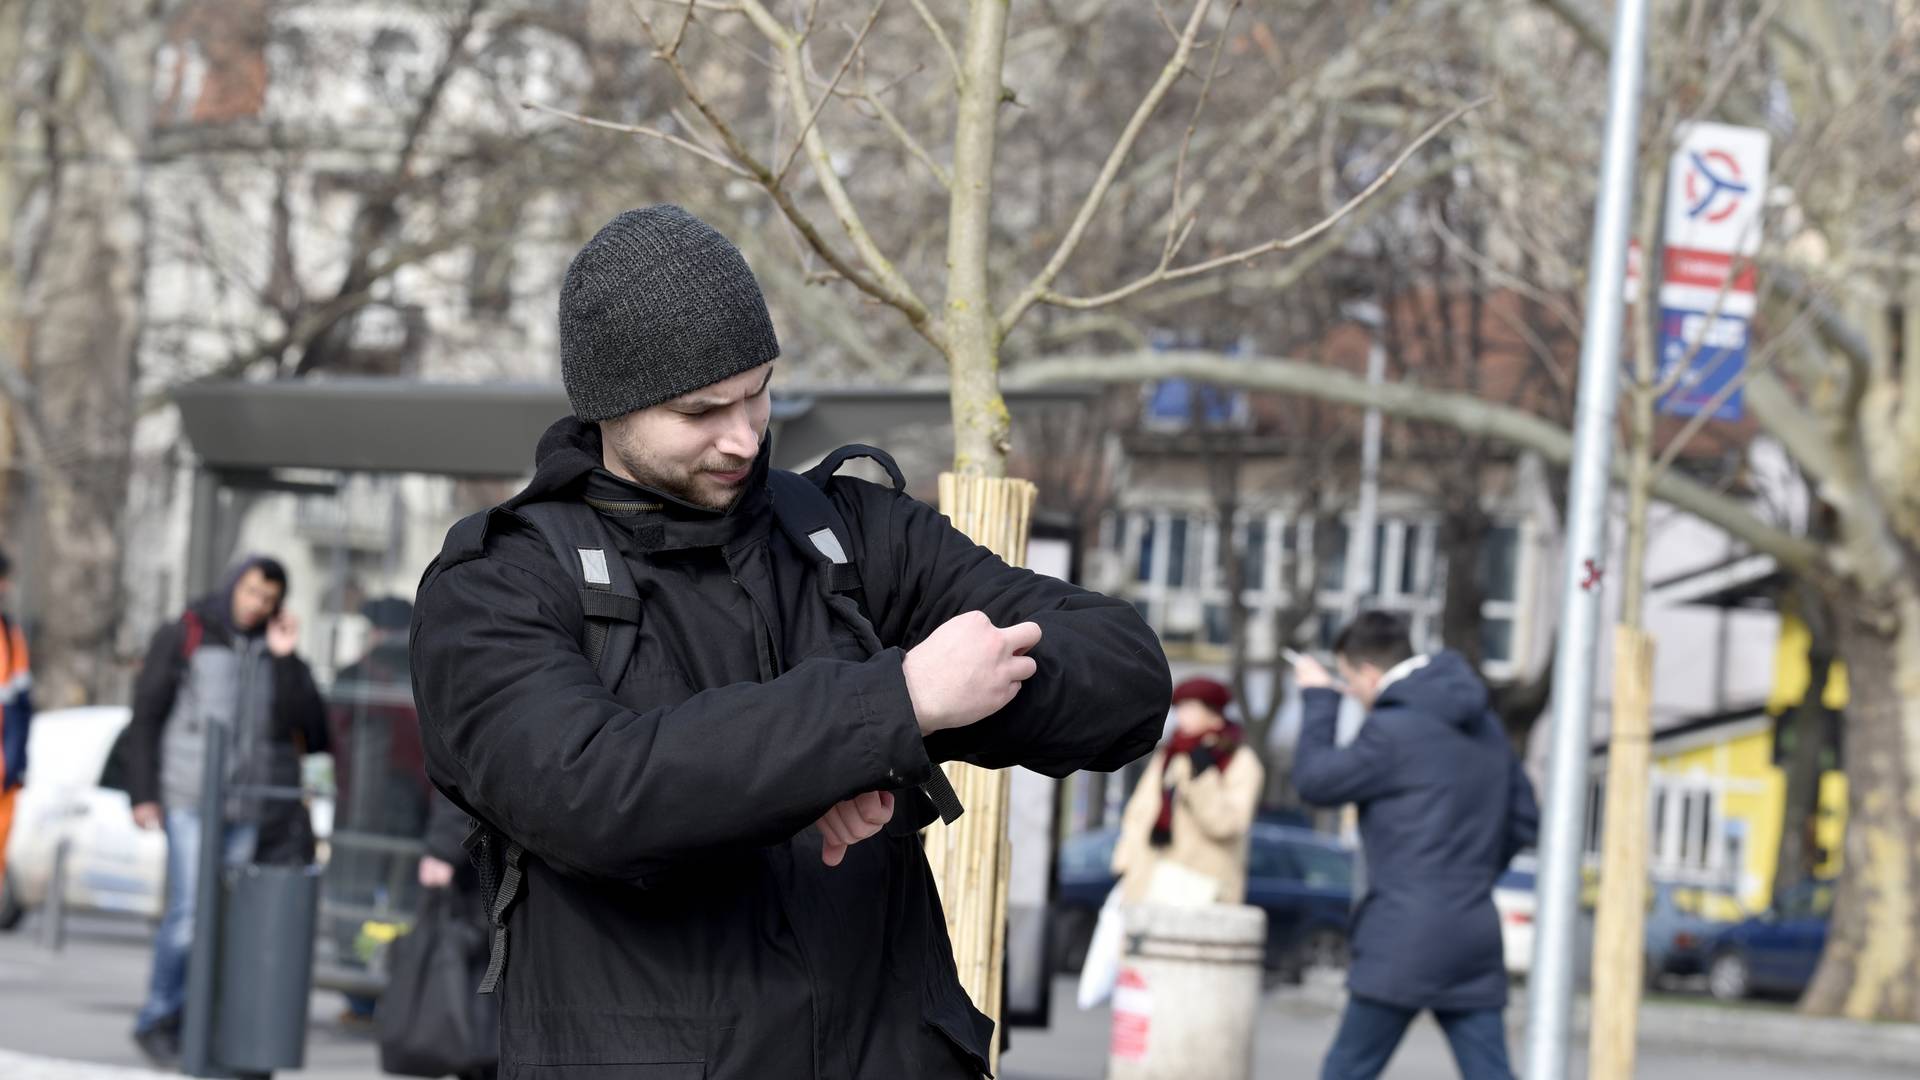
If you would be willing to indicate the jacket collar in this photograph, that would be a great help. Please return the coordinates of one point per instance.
(1400, 671)
(661, 522)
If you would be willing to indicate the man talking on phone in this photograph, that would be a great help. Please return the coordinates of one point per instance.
(1444, 806)
(226, 666)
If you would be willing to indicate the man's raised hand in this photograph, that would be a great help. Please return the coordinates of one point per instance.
(967, 670)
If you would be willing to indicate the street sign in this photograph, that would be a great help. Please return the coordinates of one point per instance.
(1716, 189)
(1716, 196)
(1717, 346)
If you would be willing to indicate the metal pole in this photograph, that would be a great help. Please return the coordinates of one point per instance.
(196, 1043)
(201, 556)
(1361, 552)
(53, 931)
(1550, 990)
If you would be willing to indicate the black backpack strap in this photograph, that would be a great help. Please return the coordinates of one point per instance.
(611, 605)
(813, 523)
(607, 595)
(830, 464)
(810, 520)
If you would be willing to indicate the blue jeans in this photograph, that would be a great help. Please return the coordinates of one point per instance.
(1371, 1031)
(173, 942)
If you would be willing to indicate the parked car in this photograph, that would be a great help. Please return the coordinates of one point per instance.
(1682, 921)
(1514, 898)
(1301, 878)
(112, 864)
(1775, 952)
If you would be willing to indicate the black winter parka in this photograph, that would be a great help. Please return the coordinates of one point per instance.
(677, 919)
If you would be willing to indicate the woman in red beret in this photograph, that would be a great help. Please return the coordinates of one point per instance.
(1193, 809)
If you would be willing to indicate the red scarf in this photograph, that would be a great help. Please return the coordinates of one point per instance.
(1222, 742)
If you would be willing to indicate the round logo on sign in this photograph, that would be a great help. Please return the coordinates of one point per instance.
(1714, 186)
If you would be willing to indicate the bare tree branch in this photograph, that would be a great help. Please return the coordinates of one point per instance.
(1463, 412)
(1177, 231)
(1165, 273)
(436, 89)
(1042, 283)
(877, 287)
(891, 286)
(680, 32)
(701, 5)
(1591, 35)
(940, 38)
(913, 146)
(1461, 250)
(1761, 363)
(693, 148)
(814, 117)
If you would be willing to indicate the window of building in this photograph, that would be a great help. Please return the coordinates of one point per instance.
(1177, 530)
(1253, 558)
(1500, 563)
(1332, 559)
(1378, 578)
(1145, 561)
(1219, 624)
(1496, 640)
(1415, 538)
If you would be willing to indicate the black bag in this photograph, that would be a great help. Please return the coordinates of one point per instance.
(431, 1021)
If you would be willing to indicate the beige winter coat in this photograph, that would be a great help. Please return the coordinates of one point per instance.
(1212, 816)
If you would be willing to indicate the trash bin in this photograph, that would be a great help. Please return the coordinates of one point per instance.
(1188, 993)
(269, 914)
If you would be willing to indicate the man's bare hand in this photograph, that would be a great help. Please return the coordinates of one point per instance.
(1311, 674)
(967, 670)
(149, 816)
(283, 634)
(435, 873)
(852, 821)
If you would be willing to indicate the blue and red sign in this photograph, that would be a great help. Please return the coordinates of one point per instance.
(1715, 201)
(1714, 350)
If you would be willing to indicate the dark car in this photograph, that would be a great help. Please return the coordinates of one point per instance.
(1681, 927)
(1775, 952)
(1302, 879)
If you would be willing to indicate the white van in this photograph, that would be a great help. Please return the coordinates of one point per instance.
(112, 864)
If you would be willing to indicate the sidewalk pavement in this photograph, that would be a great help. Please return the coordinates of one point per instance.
(1679, 1042)
(68, 1016)
(1700, 1024)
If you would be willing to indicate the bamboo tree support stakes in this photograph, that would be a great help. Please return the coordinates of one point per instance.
(971, 858)
(1620, 930)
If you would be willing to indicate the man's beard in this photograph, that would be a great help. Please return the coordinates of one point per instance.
(684, 485)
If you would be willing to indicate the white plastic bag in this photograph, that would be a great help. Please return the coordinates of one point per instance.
(1102, 968)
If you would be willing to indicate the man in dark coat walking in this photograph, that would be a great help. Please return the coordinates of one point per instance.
(723, 874)
(1444, 806)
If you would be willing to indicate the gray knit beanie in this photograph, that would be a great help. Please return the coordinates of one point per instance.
(657, 305)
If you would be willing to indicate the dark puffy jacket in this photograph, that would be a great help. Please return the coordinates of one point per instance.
(1444, 806)
(200, 673)
(677, 919)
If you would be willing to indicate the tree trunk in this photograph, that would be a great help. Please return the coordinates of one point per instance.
(82, 310)
(971, 860)
(982, 427)
(1871, 969)
(1807, 725)
(1462, 536)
